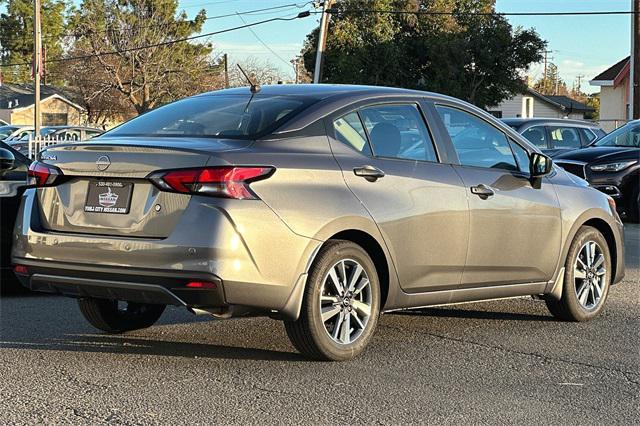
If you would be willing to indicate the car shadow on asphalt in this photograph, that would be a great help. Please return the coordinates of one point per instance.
(130, 345)
(474, 314)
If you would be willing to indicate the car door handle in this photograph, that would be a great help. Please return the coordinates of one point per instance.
(483, 191)
(370, 173)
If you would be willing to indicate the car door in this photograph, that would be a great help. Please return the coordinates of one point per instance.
(390, 163)
(514, 232)
(12, 185)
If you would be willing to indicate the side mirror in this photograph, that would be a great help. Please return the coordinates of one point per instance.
(540, 165)
(7, 161)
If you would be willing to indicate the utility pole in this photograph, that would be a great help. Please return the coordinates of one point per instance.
(577, 89)
(226, 71)
(322, 41)
(544, 76)
(635, 61)
(37, 66)
(294, 62)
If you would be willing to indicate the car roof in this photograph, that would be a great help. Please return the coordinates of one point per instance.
(566, 121)
(317, 91)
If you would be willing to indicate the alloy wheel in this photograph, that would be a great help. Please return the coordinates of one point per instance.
(345, 301)
(589, 275)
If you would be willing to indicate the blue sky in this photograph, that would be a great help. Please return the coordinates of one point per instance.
(582, 45)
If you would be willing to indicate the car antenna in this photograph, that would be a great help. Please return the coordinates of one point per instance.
(255, 87)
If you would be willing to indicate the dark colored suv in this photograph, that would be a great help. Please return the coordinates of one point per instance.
(554, 135)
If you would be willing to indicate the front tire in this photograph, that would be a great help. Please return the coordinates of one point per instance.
(341, 304)
(586, 278)
(107, 316)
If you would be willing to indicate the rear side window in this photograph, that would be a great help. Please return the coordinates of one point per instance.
(398, 131)
(350, 131)
(537, 136)
(564, 137)
(477, 142)
(220, 116)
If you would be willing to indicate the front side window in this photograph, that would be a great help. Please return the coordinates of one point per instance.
(398, 131)
(564, 137)
(477, 142)
(522, 156)
(220, 116)
(350, 131)
(537, 136)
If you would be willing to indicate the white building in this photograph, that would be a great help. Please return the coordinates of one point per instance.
(533, 104)
(614, 94)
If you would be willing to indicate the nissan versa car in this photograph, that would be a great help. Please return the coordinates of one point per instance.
(612, 165)
(321, 206)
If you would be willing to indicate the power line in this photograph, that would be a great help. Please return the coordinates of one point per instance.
(436, 13)
(78, 34)
(165, 43)
(263, 43)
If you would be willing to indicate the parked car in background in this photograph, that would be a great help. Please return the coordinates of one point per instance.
(318, 205)
(554, 135)
(12, 185)
(612, 165)
(11, 132)
(55, 134)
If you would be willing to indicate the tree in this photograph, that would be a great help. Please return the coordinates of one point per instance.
(551, 83)
(475, 57)
(16, 36)
(147, 68)
(262, 72)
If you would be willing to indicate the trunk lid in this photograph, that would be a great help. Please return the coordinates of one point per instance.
(104, 191)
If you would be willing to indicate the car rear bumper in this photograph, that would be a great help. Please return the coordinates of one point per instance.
(228, 243)
(134, 285)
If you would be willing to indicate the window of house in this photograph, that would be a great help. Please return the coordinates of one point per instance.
(54, 118)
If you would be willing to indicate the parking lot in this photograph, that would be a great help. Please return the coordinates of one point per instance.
(494, 362)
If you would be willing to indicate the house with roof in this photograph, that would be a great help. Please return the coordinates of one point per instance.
(614, 93)
(532, 104)
(17, 106)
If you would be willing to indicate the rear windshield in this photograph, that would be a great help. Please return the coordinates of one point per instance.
(220, 116)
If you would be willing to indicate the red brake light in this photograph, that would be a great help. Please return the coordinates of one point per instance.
(20, 270)
(202, 284)
(228, 182)
(41, 174)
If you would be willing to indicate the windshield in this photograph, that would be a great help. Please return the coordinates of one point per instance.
(627, 135)
(222, 116)
(5, 131)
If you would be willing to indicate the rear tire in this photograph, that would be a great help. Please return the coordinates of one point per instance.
(337, 319)
(105, 315)
(583, 298)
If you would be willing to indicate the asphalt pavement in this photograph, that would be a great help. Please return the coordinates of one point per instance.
(501, 362)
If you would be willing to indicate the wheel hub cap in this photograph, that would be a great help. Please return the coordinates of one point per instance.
(345, 301)
(590, 275)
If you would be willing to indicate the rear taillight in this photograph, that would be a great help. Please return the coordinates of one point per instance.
(228, 182)
(41, 174)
